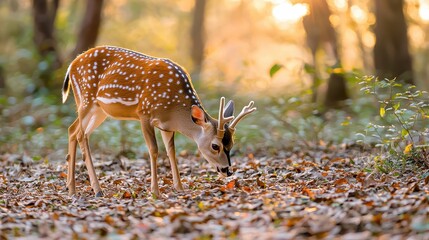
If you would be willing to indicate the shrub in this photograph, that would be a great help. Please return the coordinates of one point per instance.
(400, 129)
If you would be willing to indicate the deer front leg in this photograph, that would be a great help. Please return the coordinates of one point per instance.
(71, 157)
(168, 139)
(149, 136)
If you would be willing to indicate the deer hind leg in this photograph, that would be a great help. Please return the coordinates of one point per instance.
(168, 139)
(149, 136)
(91, 119)
(71, 157)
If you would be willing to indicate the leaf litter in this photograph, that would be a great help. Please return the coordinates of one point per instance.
(314, 194)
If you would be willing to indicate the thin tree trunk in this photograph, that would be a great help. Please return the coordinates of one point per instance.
(391, 55)
(89, 28)
(197, 36)
(336, 91)
(14, 6)
(44, 14)
(320, 32)
(2, 77)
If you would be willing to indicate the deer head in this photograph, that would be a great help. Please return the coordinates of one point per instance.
(216, 139)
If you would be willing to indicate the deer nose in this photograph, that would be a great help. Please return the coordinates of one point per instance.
(226, 170)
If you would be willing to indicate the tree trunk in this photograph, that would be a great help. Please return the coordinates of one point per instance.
(391, 55)
(197, 36)
(89, 28)
(320, 33)
(44, 14)
(14, 6)
(336, 91)
(2, 77)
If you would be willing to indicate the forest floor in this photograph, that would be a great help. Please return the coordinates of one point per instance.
(328, 193)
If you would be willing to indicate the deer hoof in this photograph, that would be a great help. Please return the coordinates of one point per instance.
(155, 194)
(71, 191)
(178, 187)
(99, 194)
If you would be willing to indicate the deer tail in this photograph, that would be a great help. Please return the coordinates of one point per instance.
(66, 85)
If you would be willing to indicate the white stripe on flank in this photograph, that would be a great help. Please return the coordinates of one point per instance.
(76, 88)
(118, 100)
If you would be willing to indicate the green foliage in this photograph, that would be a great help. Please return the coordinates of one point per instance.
(308, 68)
(274, 69)
(25, 125)
(297, 122)
(293, 120)
(400, 130)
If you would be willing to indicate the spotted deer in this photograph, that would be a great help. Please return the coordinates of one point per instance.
(127, 85)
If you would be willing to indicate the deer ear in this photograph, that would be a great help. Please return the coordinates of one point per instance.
(229, 109)
(198, 115)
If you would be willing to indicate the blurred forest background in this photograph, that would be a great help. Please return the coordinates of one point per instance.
(300, 60)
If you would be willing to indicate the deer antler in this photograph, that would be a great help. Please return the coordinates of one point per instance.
(222, 119)
(246, 111)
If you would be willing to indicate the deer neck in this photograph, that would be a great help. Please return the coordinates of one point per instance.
(179, 119)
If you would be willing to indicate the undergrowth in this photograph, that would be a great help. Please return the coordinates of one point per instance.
(385, 118)
(400, 129)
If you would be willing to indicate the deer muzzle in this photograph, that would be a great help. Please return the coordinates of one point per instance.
(225, 171)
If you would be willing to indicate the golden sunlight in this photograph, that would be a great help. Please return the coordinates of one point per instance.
(341, 4)
(358, 14)
(424, 10)
(286, 12)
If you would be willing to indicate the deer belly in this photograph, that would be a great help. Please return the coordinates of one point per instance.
(119, 108)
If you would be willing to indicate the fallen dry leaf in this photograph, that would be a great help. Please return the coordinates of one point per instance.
(246, 189)
(230, 185)
(260, 183)
(341, 181)
(308, 192)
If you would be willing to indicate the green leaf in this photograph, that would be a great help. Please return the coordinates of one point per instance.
(396, 106)
(345, 123)
(360, 135)
(404, 132)
(275, 68)
(308, 68)
(382, 111)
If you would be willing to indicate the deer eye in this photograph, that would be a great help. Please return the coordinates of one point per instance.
(215, 147)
